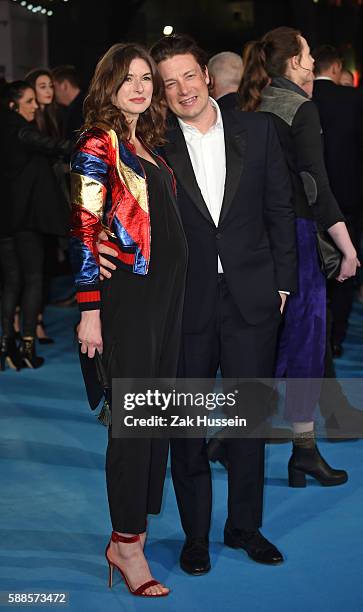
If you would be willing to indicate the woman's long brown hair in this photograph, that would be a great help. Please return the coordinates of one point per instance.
(111, 71)
(265, 59)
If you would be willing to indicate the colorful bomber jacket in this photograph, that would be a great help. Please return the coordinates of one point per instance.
(108, 191)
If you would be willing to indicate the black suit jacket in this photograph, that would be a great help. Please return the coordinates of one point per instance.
(255, 238)
(229, 101)
(341, 115)
(74, 117)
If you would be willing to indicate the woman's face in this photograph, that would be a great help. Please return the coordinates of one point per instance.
(44, 90)
(27, 104)
(304, 64)
(134, 95)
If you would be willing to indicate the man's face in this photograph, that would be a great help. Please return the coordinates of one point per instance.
(186, 87)
(61, 92)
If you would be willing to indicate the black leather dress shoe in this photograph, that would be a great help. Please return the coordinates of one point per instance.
(194, 558)
(255, 544)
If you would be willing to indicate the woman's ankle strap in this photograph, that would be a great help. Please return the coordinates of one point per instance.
(116, 537)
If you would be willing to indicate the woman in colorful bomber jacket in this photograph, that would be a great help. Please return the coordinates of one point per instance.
(120, 185)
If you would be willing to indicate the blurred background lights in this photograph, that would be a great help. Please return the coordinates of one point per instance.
(168, 30)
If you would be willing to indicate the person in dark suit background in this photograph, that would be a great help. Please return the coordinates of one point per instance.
(346, 78)
(225, 73)
(69, 94)
(235, 202)
(340, 109)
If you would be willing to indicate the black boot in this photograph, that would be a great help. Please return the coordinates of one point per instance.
(28, 355)
(308, 460)
(9, 353)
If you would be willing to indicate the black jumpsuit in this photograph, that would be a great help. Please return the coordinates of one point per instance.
(141, 326)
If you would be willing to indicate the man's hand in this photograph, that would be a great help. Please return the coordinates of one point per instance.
(283, 297)
(105, 264)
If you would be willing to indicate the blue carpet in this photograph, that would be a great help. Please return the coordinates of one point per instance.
(54, 521)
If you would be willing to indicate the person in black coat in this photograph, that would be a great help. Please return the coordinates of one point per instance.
(32, 206)
(278, 69)
(69, 94)
(341, 115)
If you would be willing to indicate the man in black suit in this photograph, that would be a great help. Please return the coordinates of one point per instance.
(340, 111)
(68, 93)
(235, 202)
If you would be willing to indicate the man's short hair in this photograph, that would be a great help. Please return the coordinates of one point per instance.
(66, 73)
(227, 67)
(178, 44)
(325, 56)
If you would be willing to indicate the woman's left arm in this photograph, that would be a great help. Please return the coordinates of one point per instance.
(89, 183)
(306, 131)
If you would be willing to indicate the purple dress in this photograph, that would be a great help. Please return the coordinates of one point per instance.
(301, 348)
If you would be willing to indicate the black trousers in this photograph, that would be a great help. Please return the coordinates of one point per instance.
(141, 335)
(21, 262)
(241, 351)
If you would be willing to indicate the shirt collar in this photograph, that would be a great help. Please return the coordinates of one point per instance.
(186, 128)
(323, 78)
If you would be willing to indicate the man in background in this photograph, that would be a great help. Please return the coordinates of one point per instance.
(341, 121)
(68, 93)
(225, 72)
(347, 78)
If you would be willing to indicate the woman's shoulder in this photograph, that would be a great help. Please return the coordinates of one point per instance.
(96, 140)
(283, 103)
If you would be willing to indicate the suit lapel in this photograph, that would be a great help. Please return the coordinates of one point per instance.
(236, 146)
(176, 153)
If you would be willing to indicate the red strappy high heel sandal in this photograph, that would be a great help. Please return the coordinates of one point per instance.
(140, 591)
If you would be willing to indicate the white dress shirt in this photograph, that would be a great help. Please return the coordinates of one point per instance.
(323, 78)
(208, 157)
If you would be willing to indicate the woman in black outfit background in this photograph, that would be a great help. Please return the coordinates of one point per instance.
(278, 69)
(32, 204)
(49, 118)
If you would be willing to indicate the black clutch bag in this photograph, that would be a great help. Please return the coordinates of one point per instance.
(329, 255)
(95, 380)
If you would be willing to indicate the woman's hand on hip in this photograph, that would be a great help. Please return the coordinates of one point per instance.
(89, 332)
